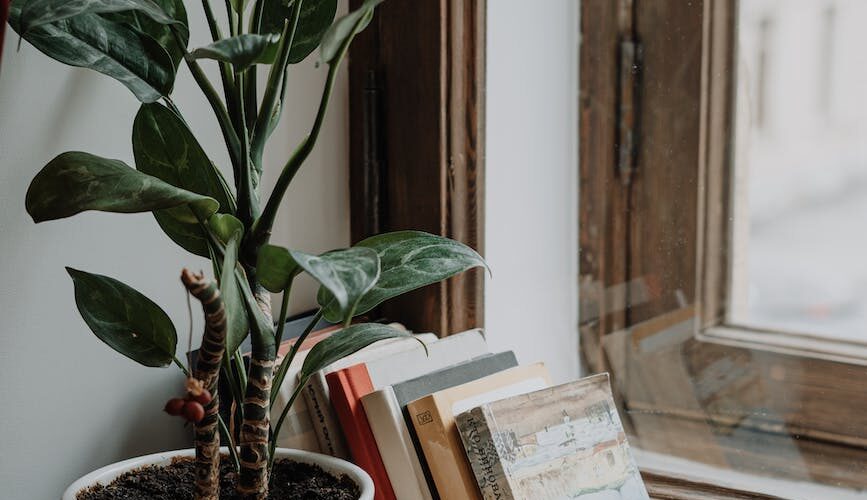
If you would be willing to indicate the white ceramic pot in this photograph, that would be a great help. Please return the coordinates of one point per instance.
(333, 465)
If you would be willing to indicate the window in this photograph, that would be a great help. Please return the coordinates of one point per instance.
(719, 265)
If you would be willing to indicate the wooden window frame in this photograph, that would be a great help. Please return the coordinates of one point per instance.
(417, 143)
(654, 238)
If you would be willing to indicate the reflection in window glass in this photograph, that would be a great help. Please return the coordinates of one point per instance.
(800, 203)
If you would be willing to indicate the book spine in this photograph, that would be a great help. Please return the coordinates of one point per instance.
(346, 387)
(398, 453)
(482, 451)
(446, 459)
(322, 417)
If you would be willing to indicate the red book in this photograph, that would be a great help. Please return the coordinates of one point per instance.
(347, 387)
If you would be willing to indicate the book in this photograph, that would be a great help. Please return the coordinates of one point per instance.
(297, 431)
(560, 442)
(316, 394)
(433, 418)
(402, 458)
(348, 385)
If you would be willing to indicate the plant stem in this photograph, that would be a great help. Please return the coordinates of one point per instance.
(225, 68)
(222, 115)
(287, 361)
(181, 366)
(230, 12)
(248, 201)
(230, 439)
(281, 318)
(279, 425)
(272, 90)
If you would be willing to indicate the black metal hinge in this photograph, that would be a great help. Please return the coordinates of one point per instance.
(628, 88)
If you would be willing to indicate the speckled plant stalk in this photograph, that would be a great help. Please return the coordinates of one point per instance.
(207, 370)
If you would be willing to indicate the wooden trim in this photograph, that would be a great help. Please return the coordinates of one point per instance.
(417, 144)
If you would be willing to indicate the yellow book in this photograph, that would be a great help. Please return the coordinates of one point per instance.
(433, 418)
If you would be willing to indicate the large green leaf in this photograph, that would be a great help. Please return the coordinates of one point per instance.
(114, 49)
(313, 21)
(345, 28)
(237, 326)
(346, 342)
(242, 51)
(123, 318)
(74, 182)
(164, 147)
(345, 275)
(40, 12)
(275, 268)
(160, 32)
(410, 260)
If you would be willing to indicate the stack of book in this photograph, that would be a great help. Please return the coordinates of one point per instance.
(451, 420)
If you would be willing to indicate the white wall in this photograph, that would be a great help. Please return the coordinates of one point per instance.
(532, 188)
(68, 403)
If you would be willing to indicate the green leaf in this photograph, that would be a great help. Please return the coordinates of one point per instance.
(275, 268)
(242, 51)
(225, 226)
(165, 148)
(345, 275)
(313, 21)
(160, 32)
(342, 31)
(346, 342)
(74, 182)
(410, 260)
(90, 41)
(40, 12)
(123, 318)
(237, 326)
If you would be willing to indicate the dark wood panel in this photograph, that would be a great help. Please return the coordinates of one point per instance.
(603, 197)
(664, 191)
(416, 143)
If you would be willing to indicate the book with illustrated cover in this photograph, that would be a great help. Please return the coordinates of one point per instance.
(401, 456)
(563, 442)
(433, 418)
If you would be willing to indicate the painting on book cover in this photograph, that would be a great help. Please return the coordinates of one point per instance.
(575, 449)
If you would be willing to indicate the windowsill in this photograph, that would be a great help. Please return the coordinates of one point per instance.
(667, 465)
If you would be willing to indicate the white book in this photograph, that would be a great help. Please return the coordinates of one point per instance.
(316, 394)
(404, 469)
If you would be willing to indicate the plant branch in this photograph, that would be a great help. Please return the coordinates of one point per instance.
(226, 436)
(248, 201)
(287, 361)
(222, 115)
(261, 230)
(276, 429)
(225, 68)
(272, 90)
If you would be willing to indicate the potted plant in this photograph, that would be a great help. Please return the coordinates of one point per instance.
(141, 43)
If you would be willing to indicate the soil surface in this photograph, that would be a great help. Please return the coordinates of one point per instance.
(290, 481)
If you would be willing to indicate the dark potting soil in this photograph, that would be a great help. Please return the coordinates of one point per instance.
(290, 481)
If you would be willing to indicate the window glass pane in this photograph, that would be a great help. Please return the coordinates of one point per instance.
(800, 181)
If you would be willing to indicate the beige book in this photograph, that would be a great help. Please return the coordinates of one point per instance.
(433, 418)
